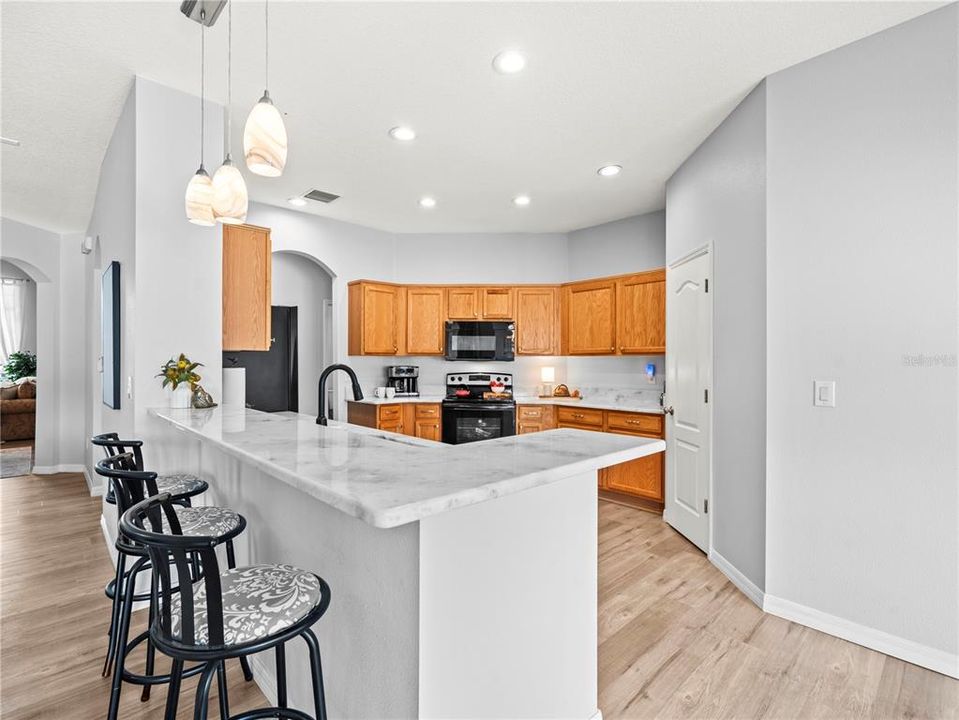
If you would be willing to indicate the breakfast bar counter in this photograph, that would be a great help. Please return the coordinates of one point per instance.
(463, 576)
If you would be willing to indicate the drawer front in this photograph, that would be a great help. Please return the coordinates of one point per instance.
(427, 412)
(577, 416)
(531, 412)
(388, 413)
(635, 422)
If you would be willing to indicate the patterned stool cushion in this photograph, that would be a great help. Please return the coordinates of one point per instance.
(258, 601)
(180, 484)
(206, 521)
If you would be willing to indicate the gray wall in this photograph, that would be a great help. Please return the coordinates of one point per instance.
(718, 195)
(113, 226)
(862, 273)
(300, 282)
(628, 245)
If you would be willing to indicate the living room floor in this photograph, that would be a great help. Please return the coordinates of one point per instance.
(16, 458)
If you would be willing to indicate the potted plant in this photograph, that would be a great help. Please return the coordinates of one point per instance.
(179, 375)
(20, 364)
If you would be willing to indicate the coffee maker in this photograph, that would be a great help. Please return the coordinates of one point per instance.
(404, 379)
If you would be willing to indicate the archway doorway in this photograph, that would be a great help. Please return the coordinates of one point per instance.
(26, 358)
(286, 377)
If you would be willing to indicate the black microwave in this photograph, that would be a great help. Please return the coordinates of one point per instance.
(480, 341)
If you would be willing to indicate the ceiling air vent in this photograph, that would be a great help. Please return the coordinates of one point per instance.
(320, 196)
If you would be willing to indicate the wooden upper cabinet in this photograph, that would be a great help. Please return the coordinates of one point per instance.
(641, 313)
(375, 314)
(463, 303)
(247, 291)
(425, 320)
(537, 325)
(497, 303)
(589, 317)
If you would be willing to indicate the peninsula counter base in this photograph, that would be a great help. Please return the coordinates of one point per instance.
(485, 611)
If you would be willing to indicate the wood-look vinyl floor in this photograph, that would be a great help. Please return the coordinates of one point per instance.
(677, 640)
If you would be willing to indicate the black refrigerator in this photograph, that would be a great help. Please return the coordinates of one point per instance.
(271, 375)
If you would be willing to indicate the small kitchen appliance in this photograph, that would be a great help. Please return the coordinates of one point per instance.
(478, 406)
(480, 341)
(404, 379)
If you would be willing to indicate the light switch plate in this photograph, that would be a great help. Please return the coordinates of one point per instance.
(824, 393)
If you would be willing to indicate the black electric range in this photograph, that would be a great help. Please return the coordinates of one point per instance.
(478, 406)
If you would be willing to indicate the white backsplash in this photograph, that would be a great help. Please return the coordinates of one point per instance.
(612, 379)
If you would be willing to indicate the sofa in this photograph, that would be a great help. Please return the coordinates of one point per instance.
(18, 409)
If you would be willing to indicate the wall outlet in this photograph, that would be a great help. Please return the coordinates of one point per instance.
(824, 393)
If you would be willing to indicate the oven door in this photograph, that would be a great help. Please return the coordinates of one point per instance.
(470, 422)
(480, 341)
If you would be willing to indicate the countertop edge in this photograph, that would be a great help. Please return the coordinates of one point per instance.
(414, 512)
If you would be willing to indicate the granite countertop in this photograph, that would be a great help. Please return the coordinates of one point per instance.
(605, 404)
(426, 399)
(387, 479)
(625, 405)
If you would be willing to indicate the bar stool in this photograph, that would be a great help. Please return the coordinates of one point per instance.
(267, 606)
(220, 525)
(181, 485)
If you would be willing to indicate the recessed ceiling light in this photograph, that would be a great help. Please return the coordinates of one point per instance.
(509, 62)
(297, 201)
(402, 133)
(427, 202)
(609, 170)
(521, 200)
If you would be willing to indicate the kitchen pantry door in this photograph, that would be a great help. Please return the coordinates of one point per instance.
(688, 379)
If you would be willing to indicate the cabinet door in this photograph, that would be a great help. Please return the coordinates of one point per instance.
(425, 320)
(590, 314)
(524, 428)
(429, 430)
(537, 328)
(247, 292)
(463, 303)
(380, 314)
(641, 313)
(642, 477)
(497, 303)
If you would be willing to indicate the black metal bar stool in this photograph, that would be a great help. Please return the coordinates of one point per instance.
(130, 486)
(182, 486)
(267, 606)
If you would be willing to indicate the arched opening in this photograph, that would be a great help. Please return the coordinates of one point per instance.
(286, 377)
(28, 390)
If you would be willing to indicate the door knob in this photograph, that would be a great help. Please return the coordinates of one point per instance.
(668, 410)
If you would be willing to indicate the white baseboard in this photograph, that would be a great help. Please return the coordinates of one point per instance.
(908, 650)
(264, 676)
(54, 469)
(747, 586)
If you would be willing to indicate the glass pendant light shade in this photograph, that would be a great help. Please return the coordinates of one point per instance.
(264, 139)
(229, 194)
(199, 199)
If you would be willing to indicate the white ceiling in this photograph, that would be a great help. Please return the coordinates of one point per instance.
(639, 84)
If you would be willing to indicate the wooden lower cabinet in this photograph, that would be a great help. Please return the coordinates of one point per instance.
(642, 477)
(422, 420)
(534, 418)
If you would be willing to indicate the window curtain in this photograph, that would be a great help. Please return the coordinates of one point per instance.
(12, 298)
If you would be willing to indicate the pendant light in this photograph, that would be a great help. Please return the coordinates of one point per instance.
(264, 137)
(230, 198)
(199, 191)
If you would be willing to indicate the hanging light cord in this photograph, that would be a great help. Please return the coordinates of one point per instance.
(202, 76)
(266, 11)
(229, 77)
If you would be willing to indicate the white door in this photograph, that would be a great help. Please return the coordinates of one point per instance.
(688, 373)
